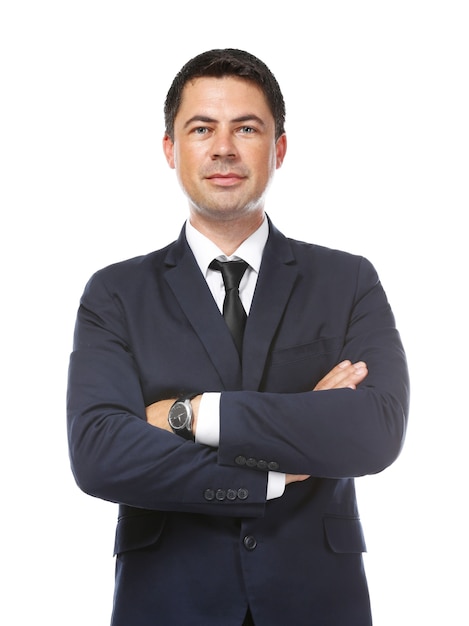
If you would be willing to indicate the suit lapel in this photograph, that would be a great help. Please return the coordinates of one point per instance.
(277, 276)
(190, 288)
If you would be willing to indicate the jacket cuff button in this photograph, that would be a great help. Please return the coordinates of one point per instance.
(209, 495)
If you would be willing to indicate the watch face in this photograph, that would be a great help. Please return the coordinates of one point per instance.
(178, 415)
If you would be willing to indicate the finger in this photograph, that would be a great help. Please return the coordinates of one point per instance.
(345, 374)
(335, 372)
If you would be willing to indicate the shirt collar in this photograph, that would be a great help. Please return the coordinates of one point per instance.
(205, 250)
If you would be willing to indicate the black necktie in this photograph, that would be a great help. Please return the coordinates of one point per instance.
(233, 310)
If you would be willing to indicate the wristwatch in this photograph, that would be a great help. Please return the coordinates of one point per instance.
(180, 416)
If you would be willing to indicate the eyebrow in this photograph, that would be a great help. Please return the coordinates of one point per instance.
(209, 120)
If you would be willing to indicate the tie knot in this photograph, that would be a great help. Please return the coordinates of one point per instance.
(231, 271)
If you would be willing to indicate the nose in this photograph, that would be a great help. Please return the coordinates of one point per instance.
(223, 145)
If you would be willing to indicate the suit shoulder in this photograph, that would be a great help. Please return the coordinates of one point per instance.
(132, 270)
(303, 249)
(333, 263)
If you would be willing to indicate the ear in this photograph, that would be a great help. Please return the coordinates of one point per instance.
(168, 149)
(281, 149)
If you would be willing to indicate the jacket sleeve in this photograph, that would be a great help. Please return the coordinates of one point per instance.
(115, 454)
(339, 433)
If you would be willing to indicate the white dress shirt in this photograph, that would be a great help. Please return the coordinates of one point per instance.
(204, 250)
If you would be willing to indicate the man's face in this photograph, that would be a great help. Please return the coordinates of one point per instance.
(224, 149)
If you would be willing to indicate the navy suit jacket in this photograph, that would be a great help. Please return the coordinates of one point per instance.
(196, 541)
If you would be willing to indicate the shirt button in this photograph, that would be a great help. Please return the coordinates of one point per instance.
(250, 542)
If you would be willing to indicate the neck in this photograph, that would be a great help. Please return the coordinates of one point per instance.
(228, 235)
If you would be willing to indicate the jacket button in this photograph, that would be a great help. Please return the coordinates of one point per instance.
(209, 494)
(273, 466)
(250, 542)
(251, 462)
(220, 494)
(240, 460)
(262, 465)
(231, 494)
(243, 493)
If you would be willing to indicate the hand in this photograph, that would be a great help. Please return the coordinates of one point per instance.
(295, 478)
(157, 414)
(345, 374)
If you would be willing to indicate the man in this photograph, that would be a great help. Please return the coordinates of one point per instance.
(237, 503)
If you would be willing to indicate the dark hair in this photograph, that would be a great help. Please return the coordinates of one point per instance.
(226, 62)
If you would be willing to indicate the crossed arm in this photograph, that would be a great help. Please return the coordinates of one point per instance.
(345, 374)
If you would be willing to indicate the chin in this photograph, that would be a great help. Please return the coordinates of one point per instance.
(226, 212)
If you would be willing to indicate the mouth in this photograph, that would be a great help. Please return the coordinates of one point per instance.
(225, 180)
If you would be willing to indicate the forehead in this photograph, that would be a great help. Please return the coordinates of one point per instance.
(227, 97)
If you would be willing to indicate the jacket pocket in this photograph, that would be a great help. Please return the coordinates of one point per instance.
(344, 534)
(298, 368)
(138, 530)
(322, 346)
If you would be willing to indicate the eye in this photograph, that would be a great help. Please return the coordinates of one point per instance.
(200, 130)
(247, 130)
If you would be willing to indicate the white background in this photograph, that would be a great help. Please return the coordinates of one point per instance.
(377, 121)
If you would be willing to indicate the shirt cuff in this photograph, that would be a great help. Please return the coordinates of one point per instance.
(275, 485)
(208, 420)
(208, 434)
